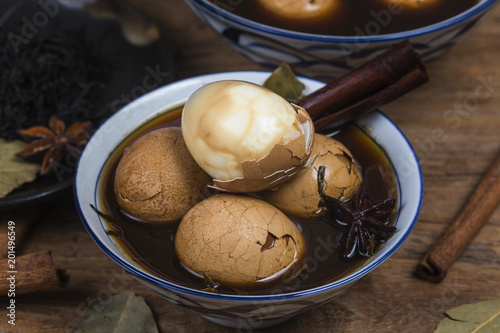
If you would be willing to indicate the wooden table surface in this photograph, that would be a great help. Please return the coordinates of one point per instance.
(392, 298)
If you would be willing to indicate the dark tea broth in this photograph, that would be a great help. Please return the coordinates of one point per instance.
(152, 246)
(356, 18)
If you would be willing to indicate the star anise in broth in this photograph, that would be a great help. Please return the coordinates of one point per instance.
(368, 222)
(54, 143)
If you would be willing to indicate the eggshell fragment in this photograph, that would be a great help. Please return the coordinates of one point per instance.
(238, 240)
(157, 180)
(299, 196)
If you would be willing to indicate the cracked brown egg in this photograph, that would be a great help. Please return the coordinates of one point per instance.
(300, 196)
(157, 180)
(245, 136)
(238, 241)
(411, 4)
(297, 10)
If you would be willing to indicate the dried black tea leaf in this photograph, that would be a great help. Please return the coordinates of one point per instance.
(482, 317)
(122, 313)
(59, 72)
(103, 215)
(212, 286)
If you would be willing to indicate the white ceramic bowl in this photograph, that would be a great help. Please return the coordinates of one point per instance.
(239, 311)
(325, 57)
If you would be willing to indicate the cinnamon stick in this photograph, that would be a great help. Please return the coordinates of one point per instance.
(381, 80)
(31, 273)
(457, 236)
(23, 218)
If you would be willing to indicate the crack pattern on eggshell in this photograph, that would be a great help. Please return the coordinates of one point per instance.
(225, 237)
(157, 180)
(345, 180)
(300, 196)
(281, 163)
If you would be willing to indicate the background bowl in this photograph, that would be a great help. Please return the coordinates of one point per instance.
(325, 57)
(244, 312)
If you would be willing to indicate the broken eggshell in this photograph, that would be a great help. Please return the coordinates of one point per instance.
(299, 196)
(238, 241)
(245, 136)
(157, 180)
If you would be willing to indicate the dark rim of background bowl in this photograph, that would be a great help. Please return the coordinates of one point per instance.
(362, 271)
(214, 9)
(37, 192)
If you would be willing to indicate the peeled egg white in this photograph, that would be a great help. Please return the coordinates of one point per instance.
(245, 136)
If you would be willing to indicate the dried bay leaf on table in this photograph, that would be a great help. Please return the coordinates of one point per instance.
(284, 82)
(482, 317)
(122, 313)
(14, 171)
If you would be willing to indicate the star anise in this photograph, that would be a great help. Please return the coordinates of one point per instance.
(54, 143)
(368, 222)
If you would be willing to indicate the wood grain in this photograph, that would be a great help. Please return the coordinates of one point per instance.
(454, 152)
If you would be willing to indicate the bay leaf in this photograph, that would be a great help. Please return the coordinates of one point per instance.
(482, 317)
(122, 313)
(284, 82)
(14, 171)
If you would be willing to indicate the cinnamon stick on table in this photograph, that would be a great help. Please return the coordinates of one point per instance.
(381, 80)
(23, 218)
(480, 205)
(31, 273)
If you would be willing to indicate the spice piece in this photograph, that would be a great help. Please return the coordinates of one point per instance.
(381, 80)
(480, 206)
(34, 273)
(14, 171)
(481, 317)
(54, 143)
(284, 82)
(23, 219)
(122, 313)
(212, 287)
(365, 219)
(103, 215)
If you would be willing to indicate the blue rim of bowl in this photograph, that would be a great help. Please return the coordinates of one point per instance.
(471, 12)
(356, 275)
